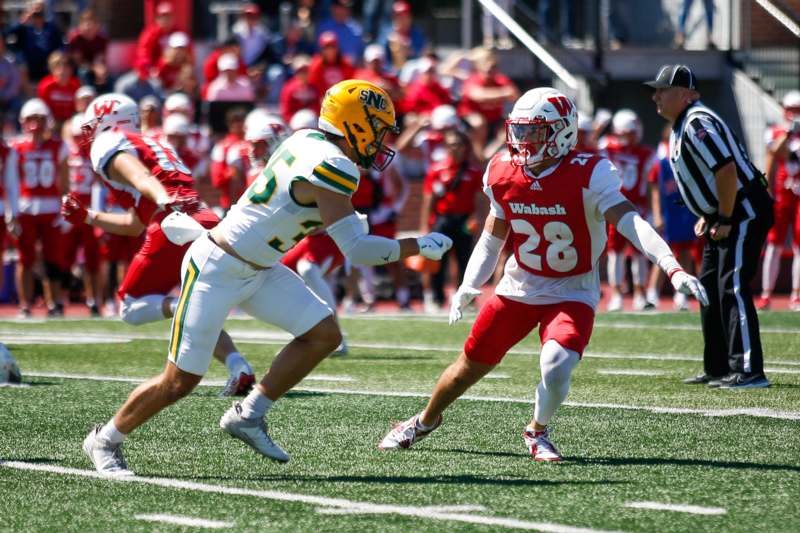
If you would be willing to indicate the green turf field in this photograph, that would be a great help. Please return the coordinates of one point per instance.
(630, 433)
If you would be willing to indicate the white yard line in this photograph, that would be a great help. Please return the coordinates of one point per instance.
(746, 411)
(434, 508)
(325, 377)
(782, 370)
(319, 501)
(496, 375)
(691, 509)
(630, 372)
(184, 521)
(77, 338)
(14, 385)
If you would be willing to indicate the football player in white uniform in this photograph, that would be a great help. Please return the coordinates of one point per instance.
(306, 185)
(552, 203)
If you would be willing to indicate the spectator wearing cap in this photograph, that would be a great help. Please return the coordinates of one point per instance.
(230, 86)
(292, 44)
(152, 40)
(298, 92)
(721, 186)
(426, 92)
(329, 66)
(87, 44)
(210, 70)
(58, 88)
(349, 35)
(253, 36)
(176, 55)
(34, 38)
(783, 175)
(150, 116)
(423, 137)
(10, 82)
(402, 31)
(487, 92)
(374, 71)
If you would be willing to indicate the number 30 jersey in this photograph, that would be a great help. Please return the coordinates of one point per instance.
(557, 227)
(268, 221)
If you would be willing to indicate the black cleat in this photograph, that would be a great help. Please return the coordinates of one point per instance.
(738, 380)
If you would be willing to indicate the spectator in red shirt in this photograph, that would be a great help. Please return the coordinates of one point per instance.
(87, 43)
(151, 42)
(229, 184)
(425, 93)
(175, 57)
(486, 92)
(448, 200)
(374, 71)
(210, 69)
(329, 66)
(298, 92)
(58, 88)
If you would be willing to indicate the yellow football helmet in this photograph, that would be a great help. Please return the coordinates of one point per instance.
(362, 113)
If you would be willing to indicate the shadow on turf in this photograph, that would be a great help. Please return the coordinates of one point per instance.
(658, 461)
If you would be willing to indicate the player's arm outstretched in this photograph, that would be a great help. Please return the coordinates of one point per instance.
(641, 234)
(74, 212)
(481, 265)
(347, 231)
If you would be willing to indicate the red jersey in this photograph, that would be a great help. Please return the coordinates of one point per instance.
(221, 172)
(159, 159)
(37, 166)
(491, 111)
(297, 95)
(424, 98)
(453, 186)
(324, 75)
(633, 162)
(81, 174)
(787, 170)
(59, 98)
(557, 226)
(385, 80)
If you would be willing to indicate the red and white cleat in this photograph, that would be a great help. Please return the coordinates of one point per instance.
(540, 446)
(404, 434)
(239, 385)
(763, 304)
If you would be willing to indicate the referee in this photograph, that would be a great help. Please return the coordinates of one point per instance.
(720, 185)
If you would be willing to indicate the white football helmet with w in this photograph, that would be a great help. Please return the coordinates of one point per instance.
(268, 129)
(542, 125)
(110, 111)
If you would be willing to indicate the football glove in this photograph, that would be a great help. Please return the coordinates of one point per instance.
(73, 210)
(683, 282)
(460, 300)
(434, 245)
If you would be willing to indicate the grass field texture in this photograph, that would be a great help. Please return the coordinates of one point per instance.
(633, 437)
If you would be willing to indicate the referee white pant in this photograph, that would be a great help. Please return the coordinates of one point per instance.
(730, 322)
(214, 282)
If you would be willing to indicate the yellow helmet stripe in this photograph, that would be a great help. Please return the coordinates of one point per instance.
(180, 311)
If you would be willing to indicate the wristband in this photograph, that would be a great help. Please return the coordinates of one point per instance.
(672, 272)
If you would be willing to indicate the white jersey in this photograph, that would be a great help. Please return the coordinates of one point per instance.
(267, 221)
(557, 226)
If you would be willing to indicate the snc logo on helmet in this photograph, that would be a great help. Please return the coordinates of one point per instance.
(372, 99)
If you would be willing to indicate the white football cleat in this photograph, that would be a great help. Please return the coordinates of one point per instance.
(615, 303)
(252, 432)
(405, 434)
(639, 303)
(540, 446)
(239, 384)
(106, 457)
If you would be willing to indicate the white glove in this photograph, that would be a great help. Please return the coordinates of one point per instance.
(180, 228)
(461, 299)
(434, 245)
(683, 282)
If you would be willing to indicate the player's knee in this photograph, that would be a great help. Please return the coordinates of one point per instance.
(326, 335)
(557, 364)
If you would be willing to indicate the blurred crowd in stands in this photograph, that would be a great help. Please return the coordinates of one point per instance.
(452, 112)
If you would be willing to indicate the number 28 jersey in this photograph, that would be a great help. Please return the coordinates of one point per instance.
(557, 227)
(267, 221)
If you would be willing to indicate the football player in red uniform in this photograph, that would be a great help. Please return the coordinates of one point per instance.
(783, 173)
(553, 204)
(147, 178)
(42, 166)
(633, 160)
(81, 236)
(9, 198)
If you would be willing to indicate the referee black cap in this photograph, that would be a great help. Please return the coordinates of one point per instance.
(673, 76)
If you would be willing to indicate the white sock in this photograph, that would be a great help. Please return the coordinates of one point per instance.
(795, 268)
(235, 363)
(422, 426)
(255, 405)
(556, 364)
(110, 433)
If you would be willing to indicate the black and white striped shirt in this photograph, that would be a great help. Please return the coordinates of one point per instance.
(699, 145)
